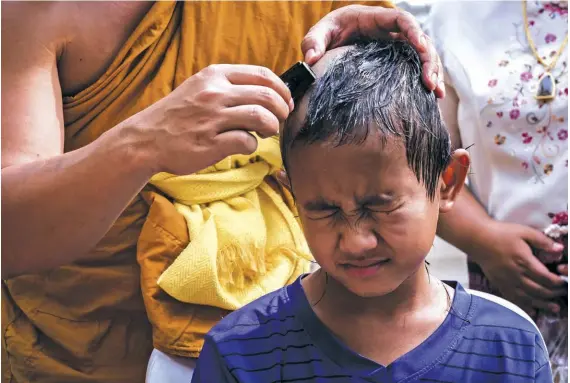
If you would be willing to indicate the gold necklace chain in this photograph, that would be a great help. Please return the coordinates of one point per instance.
(548, 67)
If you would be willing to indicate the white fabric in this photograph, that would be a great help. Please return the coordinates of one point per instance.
(519, 169)
(163, 368)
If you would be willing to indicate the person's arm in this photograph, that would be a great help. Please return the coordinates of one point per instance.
(56, 206)
(211, 366)
(502, 249)
(468, 218)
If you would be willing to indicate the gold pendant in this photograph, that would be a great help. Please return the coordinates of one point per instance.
(546, 88)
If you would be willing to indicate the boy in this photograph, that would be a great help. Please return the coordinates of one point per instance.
(370, 166)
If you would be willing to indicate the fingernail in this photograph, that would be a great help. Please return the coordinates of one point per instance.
(309, 55)
(423, 41)
(562, 268)
(441, 87)
(291, 105)
(557, 247)
(434, 79)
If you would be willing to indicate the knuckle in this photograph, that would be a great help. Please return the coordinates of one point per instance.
(246, 143)
(210, 93)
(355, 8)
(256, 114)
(405, 14)
(265, 94)
(263, 72)
(211, 70)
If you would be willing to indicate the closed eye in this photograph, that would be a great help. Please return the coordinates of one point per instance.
(385, 210)
(324, 214)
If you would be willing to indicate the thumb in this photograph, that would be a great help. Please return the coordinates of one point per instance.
(317, 40)
(540, 241)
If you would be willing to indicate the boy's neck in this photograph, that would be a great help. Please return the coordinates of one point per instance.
(412, 295)
(402, 319)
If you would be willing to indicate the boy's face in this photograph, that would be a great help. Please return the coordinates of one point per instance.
(367, 219)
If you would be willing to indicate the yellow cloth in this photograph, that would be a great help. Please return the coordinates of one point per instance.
(97, 321)
(244, 240)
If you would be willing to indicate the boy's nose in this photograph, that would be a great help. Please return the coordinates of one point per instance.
(358, 241)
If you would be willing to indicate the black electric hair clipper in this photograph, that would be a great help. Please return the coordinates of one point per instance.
(298, 79)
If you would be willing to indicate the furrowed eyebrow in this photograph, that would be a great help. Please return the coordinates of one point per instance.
(379, 200)
(376, 200)
(319, 205)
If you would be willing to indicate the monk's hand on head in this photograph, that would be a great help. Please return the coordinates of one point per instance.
(345, 25)
(211, 116)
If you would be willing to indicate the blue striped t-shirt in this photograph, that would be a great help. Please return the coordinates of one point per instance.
(278, 338)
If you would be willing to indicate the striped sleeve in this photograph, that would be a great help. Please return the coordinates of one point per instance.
(211, 366)
(543, 374)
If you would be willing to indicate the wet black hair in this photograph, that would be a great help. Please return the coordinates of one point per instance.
(376, 85)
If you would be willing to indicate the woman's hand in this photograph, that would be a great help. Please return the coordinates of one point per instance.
(344, 25)
(505, 255)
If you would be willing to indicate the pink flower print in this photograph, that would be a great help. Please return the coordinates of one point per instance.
(492, 83)
(536, 160)
(563, 135)
(566, 91)
(549, 38)
(489, 124)
(531, 23)
(552, 53)
(500, 114)
(526, 76)
(524, 165)
(514, 114)
(527, 138)
(504, 63)
(555, 8)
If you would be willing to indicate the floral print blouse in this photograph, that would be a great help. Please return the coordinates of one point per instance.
(519, 145)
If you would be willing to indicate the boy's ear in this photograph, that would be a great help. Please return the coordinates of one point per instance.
(453, 179)
(283, 179)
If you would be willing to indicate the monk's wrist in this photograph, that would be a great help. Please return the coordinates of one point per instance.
(129, 150)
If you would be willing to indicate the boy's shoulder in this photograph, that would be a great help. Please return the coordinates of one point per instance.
(498, 322)
(494, 311)
(274, 310)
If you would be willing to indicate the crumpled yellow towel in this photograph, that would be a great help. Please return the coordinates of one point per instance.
(244, 240)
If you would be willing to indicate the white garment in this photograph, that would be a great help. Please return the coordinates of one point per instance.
(164, 368)
(520, 155)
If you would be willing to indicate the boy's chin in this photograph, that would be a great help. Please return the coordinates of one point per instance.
(370, 289)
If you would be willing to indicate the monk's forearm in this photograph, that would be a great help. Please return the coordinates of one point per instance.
(54, 211)
(465, 225)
